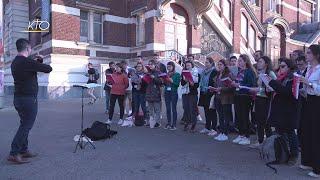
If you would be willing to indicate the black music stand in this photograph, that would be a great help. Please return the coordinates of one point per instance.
(80, 142)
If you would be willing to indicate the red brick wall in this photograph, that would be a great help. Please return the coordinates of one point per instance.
(114, 34)
(113, 55)
(71, 3)
(69, 51)
(65, 27)
(157, 29)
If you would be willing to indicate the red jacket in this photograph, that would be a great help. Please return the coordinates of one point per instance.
(120, 85)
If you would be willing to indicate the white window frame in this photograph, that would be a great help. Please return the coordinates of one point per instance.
(140, 30)
(245, 36)
(101, 23)
(226, 14)
(252, 38)
(273, 5)
(83, 38)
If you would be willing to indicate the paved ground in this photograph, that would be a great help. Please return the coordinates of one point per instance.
(135, 153)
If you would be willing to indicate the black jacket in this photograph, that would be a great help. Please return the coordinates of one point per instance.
(194, 88)
(24, 71)
(205, 97)
(284, 106)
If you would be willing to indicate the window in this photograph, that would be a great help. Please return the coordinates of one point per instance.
(273, 5)
(227, 10)
(84, 26)
(252, 38)
(140, 30)
(244, 26)
(97, 28)
(217, 2)
(255, 2)
(91, 27)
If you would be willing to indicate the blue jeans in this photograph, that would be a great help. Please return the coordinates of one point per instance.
(27, 108)
(108, 95)
(139, 99)
(225, 115)
(171, 100)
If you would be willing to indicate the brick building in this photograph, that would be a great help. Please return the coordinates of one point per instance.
(101, 30)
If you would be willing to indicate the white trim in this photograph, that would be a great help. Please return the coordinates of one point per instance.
(151, 13)
(65, 9)
(124, 20)
(220, 25)
(289, 6)
(194, 50)
(118, 19)
(98, 47)
(93, 53)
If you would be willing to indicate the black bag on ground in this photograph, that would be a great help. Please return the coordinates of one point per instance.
(275, 150)
(139, 120)
(99, 131)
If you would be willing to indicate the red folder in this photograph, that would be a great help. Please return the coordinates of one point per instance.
(227, 82)
(147, 78)
(187, 74)
(110, 78)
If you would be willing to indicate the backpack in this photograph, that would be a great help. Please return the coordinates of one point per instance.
(99, 131)
(275, 150)
(96, 75)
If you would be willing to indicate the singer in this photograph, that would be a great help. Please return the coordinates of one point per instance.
(24, 71)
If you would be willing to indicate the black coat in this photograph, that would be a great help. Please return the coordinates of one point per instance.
(205, 97)
(284, 106)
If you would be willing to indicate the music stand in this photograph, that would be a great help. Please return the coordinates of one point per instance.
(80, 142)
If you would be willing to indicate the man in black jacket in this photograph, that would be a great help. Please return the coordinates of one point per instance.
(24, 71)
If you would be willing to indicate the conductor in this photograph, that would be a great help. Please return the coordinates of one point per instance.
(24, 71)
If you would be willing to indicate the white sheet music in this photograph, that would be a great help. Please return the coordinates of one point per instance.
(91, 85)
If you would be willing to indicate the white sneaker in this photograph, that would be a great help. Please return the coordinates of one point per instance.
(255, 145)
(245, 141)
(199, 118)
(125, 123)
(218, 137)
(223, 137)
(120, 122)
(212, 133)
(204, 131)
(108, 121)
(238, 139)
(305, 167)
(314, 175)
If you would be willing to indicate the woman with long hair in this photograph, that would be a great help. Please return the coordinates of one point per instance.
(224, 99)
(245, 80)
(190, 96)
(206, 80)
(118, 90)
(172, 82)
(263, 98)
(284, 106)
(310, 123)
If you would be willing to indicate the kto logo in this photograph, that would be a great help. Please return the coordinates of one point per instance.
(38, 26)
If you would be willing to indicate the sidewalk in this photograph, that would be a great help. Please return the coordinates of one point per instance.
(135, 153)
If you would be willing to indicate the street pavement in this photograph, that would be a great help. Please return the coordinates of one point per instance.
(135, 153)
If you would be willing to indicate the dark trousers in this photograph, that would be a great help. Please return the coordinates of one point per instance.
(171, 100)
(113, 100)
(211, 118)
(292, 138)
(262, 106)
(189, 106)
(27, 108)
(242, 107)
(310, 146)
(225, 115)
(139, 99)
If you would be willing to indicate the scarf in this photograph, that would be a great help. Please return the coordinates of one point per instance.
(204, 81)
